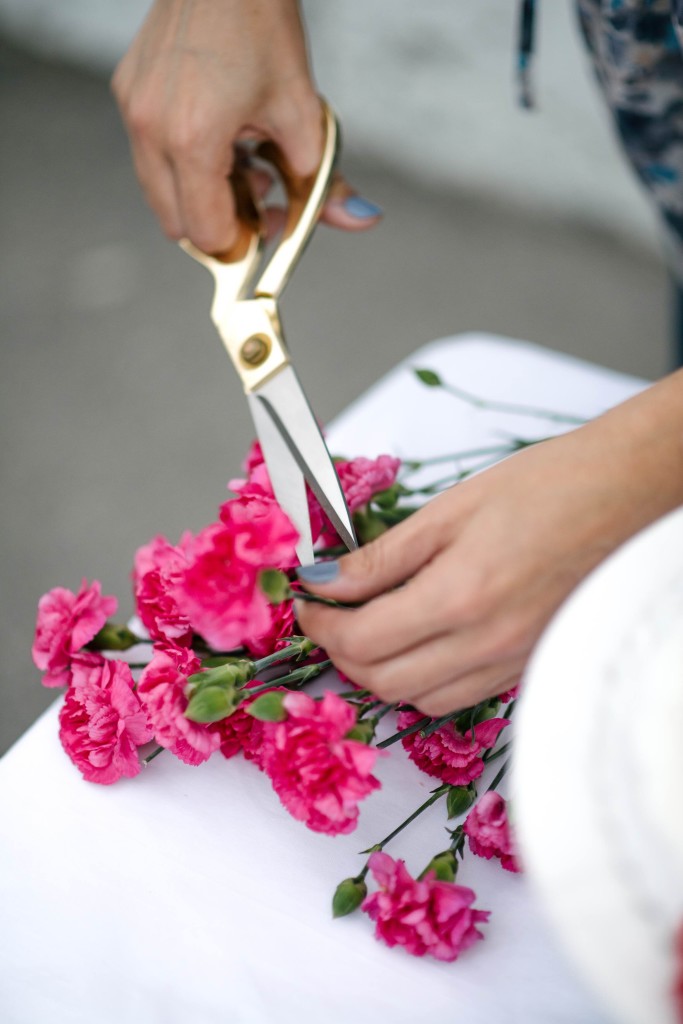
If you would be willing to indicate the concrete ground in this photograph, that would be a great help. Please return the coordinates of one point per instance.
(120, 413)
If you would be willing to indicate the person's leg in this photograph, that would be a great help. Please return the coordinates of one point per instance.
(635, 48)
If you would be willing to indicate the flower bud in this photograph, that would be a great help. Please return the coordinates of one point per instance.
(369, 526)
(444, 866)
(113, 637)
(211, 704)
(232, 673)
(362, 731)
(268, 707)
(275, 585)
(348, 896)
(460, 799)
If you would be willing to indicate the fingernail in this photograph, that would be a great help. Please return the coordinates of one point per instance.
(361, 208)
(321, 572)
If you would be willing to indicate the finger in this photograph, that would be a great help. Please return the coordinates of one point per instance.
(348, 210)
(156, 178)
(469, 690)
(378, 566)
(207, 205)
(397, 683)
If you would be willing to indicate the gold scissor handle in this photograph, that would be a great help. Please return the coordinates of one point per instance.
(246, 315)
(305, 198)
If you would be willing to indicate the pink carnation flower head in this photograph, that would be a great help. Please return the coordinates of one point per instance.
(102, 722)
(319, 775)
(488, 829)
(218, 590)
(66, 623)
(362, 478)
(241, 733)
(162, 691)
(447, 754)
(156, 571)
(426, 917)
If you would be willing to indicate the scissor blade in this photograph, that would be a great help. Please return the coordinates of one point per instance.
(283, 398)
(289, 486)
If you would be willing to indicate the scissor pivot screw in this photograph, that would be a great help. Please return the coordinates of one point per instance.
(255, 350)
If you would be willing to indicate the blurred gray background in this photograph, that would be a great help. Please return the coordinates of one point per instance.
(121, 415)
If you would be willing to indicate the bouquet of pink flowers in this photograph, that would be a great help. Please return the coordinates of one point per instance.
(225, 671)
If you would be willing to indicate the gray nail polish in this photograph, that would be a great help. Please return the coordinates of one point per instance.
(321, 572)
(361, 208)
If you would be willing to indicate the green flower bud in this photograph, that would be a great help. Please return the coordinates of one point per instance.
(268, 707)
(363, 731)
(348, 896)
(233, 673)
(113, 637)
(275, 585)
(211, 704)
(369, 526)
(444, 866)
(460, 799)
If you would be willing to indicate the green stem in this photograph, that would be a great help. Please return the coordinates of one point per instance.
(499, 777)
(408, 731)
(304, 595)
(437, 723)
(278, 656)
(150, 757)
(493, 755)
(512, 407)
(436, 795)
(412, 465)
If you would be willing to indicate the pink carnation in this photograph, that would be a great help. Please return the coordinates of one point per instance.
(162, 691)
(242, 733)
(489, 833)
(258, 485)
(425, 917)
(102, 722)
(67, 622)
(218, 590)
(281, 625)
(157, 569)
(319, 775)
(509, 695)
(447, 754)
(362, 478)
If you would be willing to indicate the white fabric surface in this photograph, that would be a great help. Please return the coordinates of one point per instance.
(190, 895)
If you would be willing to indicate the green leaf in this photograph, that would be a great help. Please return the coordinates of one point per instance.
(211, 704)
(275, 585)
(348, 896)
(460, 799)
(428, 377)
(268, 708)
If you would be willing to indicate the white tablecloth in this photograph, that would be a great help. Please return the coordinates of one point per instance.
(189, 895)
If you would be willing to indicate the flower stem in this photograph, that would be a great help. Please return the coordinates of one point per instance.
(408, 731)
(304, 595)
(150, 757)
(300, 675)
(512, 407)
(413, 465)
(436, 795)
(499, 777)
(492, 755)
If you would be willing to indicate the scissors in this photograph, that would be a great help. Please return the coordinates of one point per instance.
(247, 318)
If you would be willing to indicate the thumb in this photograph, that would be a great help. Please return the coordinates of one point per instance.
(376, 567)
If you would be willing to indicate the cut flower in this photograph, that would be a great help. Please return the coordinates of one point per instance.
(319, 775)
(425, 917)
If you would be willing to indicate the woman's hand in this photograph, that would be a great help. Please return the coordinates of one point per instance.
(481, 569)
(202, 74)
